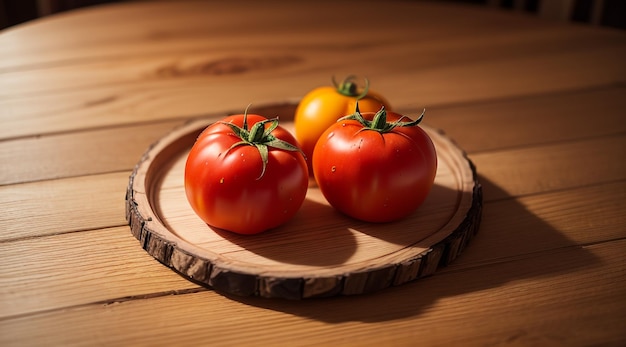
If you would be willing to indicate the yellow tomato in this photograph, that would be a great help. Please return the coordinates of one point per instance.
(321, 107)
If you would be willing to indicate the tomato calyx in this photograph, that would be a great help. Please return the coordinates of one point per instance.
(349, 88)
(379, 122)
(260, 138)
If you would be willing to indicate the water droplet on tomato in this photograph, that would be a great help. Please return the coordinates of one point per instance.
(221, 180)
(333, 169)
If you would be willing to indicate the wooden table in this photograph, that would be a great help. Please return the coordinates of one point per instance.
(538, 106)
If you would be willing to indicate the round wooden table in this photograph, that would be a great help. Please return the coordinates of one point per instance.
(536, 105)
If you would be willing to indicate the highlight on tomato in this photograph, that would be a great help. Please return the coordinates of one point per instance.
(246, 174)
(322, 106)
(375, 167)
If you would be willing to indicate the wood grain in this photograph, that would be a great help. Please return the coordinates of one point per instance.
(548, 221)
(553, 167)
(42, 208)
(39, 201)
(167, 28)
(203, 62)
(173, 73)
(538, 106)
(533, 120)
(497, 242)
(519, 122)
(78, 154)
(80, 109)
(407, 312)
(103, 261)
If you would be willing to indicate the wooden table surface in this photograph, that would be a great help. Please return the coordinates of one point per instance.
(538, 106)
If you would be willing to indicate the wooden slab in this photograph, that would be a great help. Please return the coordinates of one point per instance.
(320, 252)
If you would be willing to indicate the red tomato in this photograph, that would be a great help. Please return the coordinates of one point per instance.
(374, 170)
(246, 180)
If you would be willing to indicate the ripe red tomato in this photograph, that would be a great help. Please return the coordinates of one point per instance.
(322, 106)
(374, 170)
(246, 179)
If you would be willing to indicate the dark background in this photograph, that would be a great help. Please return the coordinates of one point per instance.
(612, 14)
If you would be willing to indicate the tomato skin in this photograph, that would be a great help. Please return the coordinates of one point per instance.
(373, 176)
(321, 107)
(224, 185)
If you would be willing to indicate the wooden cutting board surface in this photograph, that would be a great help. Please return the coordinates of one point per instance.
(320, 252)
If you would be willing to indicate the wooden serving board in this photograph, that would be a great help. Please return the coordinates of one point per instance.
(320, 252)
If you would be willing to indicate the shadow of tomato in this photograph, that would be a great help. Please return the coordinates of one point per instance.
(513, 244)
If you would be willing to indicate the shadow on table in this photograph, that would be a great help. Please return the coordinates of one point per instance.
(507, 248)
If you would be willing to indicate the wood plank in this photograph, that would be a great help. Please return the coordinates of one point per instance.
(180, 83)
(431, 51)
(59, 156)
(503, 173)
(102, 150)
(192, 96)
(559, 166)
(546, 222)
(44, 208)
(501, 124)
(525, 121)
(39, 274)
(103, 253)
(551, 298)
(501, 180)
(102, 203)
(199, 26)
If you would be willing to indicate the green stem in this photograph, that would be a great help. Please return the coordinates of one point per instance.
(260, 138)
(379, 122)
(349, 88)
